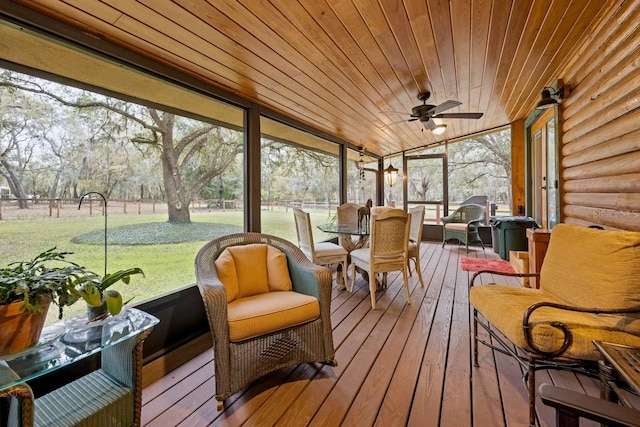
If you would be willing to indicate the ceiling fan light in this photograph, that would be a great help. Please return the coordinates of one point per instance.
(439, 129)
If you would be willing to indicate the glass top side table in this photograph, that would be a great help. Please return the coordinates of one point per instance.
(115, 388)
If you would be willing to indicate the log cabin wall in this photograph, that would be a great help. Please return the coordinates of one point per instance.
(601, 132)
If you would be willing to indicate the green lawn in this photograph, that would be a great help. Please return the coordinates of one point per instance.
(166, 266)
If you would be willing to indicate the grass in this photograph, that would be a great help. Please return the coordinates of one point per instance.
(165, 252)
(158, 233)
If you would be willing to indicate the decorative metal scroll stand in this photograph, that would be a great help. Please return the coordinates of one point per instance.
(98, 313)
(105, 223)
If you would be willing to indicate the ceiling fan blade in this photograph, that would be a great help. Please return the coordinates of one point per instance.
(458, 116)
(445, 106)
(413, 119)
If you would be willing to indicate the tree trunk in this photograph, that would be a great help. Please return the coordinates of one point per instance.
(54, 186)
(177, 201)
(14, 184)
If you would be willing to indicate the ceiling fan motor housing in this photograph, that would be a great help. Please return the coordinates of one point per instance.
(422, 110)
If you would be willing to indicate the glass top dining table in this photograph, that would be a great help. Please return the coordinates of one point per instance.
(337, 228)
(349, 229)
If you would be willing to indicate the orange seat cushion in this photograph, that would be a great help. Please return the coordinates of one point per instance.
(503, 306)
(269, 312)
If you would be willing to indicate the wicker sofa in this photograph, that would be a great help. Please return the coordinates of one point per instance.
(258, 330)
(589, 290)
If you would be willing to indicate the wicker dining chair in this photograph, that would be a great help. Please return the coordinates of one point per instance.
(274, 334)
(347, 213)
(387, 251)
(322, 253)
(415, 236)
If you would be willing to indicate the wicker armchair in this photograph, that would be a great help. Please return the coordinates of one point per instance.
(589, 290)
(239, 362)
(462, 225)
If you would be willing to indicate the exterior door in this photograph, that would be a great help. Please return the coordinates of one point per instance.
(544, 169)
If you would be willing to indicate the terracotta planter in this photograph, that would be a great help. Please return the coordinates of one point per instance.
(20, 329)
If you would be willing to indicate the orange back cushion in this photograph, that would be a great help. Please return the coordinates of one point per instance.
(247, 270)
(593, 268)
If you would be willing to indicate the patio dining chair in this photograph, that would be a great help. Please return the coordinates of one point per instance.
(387, 251)
(321, 253)
(380, 209)
(415, 236)
(347, 213)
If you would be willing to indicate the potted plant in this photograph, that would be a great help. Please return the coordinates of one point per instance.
(94, 290)
(27, 288)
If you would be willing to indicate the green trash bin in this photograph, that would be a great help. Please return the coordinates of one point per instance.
(509, 233)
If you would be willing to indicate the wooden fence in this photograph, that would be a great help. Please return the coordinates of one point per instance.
(58, 208)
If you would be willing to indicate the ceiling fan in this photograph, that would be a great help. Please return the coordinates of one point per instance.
(426, 113)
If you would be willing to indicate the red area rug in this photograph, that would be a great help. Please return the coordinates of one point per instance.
(477, 264)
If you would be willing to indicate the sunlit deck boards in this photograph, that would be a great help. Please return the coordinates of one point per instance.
(398, 365)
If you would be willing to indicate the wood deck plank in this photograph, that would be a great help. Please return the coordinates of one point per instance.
(398, 365)
(428, 394)
(366, 363)
(456, 402)
(487, 400)
(396, 404)
(304, 408)
(173, 399)
(370, 396)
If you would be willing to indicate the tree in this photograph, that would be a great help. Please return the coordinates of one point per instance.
(21, 126)
(481, 164)
(191, 153)
(291, 172)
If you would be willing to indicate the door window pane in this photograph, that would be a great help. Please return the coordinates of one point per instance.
(480, 167)
(552, 175)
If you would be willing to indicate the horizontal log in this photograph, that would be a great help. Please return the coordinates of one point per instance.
(616, 128)
(598, 43)
(614, 147)
(618, 165)
(624, 220)
(607, 70)
(617, 102)
(627, 183)
(625, 202)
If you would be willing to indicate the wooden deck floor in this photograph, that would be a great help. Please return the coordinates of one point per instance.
(398, 365)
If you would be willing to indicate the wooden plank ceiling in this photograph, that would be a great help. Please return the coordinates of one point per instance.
(353, 68)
